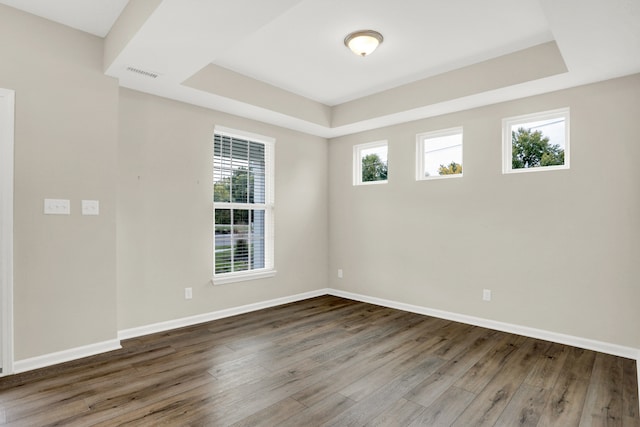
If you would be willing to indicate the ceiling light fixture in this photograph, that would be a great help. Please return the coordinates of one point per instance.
(363, 42)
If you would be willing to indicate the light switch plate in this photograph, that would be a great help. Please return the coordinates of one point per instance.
(57, 207)
(90, 207)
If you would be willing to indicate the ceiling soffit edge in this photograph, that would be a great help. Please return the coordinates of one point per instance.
(523, 66)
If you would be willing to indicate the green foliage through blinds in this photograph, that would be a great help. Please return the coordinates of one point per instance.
(239, 177)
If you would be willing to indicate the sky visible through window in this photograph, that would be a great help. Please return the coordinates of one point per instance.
(381, 151)
(441, 150)
(554, 129)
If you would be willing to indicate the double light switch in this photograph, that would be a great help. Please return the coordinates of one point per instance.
(63, 207)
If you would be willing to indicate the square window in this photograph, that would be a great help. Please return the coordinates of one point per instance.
(536, 142)
(370, 163)
(439, 154)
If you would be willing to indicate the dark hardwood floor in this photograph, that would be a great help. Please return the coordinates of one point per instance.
(329, 361)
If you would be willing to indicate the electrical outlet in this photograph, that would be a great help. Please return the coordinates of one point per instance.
(486, 294)
(339, 273)
(188, 293)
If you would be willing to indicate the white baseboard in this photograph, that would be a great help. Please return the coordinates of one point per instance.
(588, 344)
(93, 349)
(215, 315)
(603, 347)
(64, 356)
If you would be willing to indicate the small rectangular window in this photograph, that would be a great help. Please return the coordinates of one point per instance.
(243, 205)
(439, 154)
(536, 142)
(370, 163)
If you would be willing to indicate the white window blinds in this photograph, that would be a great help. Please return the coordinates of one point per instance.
(243, 204)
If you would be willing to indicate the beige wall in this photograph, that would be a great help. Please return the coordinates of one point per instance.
(80, 279)
(165, 212)
(70, 288)
(558, 249)
(65, 147)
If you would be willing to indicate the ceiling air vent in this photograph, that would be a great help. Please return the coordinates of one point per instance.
(143, 72)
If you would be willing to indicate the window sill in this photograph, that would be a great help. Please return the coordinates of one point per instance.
(440, 177)
(536, 169)
(382, 181)
(241, 277)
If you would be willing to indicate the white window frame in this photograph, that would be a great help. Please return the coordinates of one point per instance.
(269, 240)
(357, 162)
(421, 140)
(509, 122)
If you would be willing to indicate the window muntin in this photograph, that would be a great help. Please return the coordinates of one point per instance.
(536, 142)
(439, 154)
(243, 205)
(370, 164)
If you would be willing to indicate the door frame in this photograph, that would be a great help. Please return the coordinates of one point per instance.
(7, 112)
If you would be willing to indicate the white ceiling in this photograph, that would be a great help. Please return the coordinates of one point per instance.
(296, 47)
(91, 16)
(302, 50)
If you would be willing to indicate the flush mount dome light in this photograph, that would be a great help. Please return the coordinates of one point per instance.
(363, 42)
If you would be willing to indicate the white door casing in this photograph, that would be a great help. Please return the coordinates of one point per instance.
(7, 105)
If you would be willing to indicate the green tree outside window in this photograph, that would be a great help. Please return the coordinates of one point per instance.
(532, 150)
(373, 168)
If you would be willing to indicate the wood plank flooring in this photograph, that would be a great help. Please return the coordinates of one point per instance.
(329, 361)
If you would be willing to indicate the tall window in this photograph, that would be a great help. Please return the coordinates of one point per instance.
(243, 205)
(439, 154)
(536, 142)
(370, 163)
